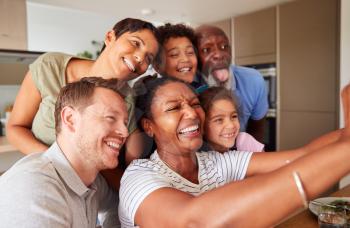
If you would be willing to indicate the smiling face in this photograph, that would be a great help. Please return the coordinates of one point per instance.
(101, 129)
(180, 59)
(221, 125)
(214, 52)
(177, 119)
(130, 54)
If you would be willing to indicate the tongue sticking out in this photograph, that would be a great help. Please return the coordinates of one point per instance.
(221, 75)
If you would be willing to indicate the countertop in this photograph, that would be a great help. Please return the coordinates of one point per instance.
(5, 146)
(306, 219)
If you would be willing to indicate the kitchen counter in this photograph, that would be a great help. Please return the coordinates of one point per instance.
(306, 219)
(5, 146)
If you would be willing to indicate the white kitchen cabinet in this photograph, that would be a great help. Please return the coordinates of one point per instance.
(13, 24)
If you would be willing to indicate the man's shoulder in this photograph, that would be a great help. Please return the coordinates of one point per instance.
(248, 77)
(32, 179)
(35, 185)
(242, 71)
(33, 169)
(32, 162)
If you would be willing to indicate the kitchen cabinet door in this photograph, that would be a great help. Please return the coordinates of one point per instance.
(308, 55)
(13, 24)
(255, 37)
(298, 128)
(308, 70)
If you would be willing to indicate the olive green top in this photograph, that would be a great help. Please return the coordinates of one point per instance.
(48, 74)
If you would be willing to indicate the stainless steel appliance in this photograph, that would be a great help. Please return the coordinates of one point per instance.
(268, 71)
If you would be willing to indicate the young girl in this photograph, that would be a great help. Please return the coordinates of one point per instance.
(221, 126)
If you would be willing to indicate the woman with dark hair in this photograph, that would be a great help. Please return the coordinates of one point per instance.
(130, 48)
(178, 56)
(181, 187)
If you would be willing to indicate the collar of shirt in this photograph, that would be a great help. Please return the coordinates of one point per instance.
(66, 171)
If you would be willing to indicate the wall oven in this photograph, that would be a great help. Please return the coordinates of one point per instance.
(268, 71)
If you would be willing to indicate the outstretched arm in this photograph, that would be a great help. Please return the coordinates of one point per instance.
(268, 162)
(251, 202)
(18, 128)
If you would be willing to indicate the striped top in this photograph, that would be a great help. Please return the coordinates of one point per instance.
(143, 176)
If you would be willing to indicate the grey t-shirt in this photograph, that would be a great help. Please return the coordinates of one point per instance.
(43, 190)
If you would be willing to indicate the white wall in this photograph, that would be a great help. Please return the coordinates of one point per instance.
(344, 60)
(64, 30)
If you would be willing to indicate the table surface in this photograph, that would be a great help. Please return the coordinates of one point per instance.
(306, 219)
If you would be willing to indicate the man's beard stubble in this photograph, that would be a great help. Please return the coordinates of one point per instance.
(87, 150)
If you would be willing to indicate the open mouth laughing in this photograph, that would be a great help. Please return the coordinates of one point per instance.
(114, 145)
(190, 131)
(129, 64)
(184, 69)
(228, 135)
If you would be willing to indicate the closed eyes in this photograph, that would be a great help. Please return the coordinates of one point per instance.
(110, 118)
(173, 108)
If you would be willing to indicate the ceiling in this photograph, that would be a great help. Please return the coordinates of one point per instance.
(160, 11)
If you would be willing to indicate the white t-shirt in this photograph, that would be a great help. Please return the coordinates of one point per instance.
(143, 176)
